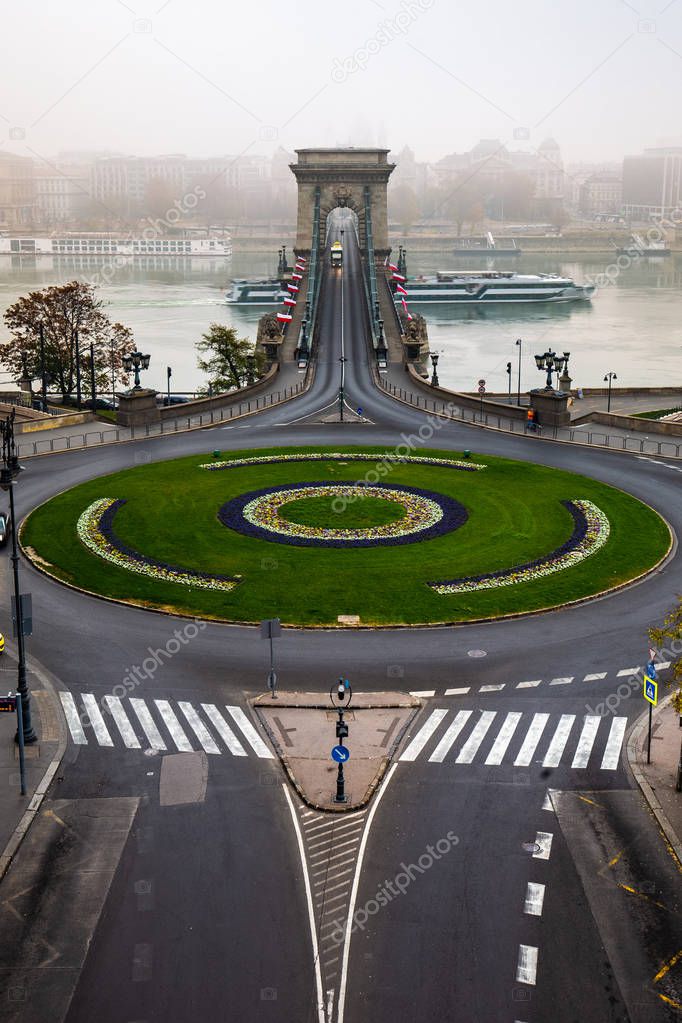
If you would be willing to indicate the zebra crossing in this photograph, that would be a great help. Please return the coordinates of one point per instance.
(519, 739)
(157, 726)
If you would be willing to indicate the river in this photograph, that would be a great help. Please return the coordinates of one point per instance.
(632, 326)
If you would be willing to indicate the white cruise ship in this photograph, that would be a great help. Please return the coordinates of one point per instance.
(113, 245)
(469, 287)
(266, 292)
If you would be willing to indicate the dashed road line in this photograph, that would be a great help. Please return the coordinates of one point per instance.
(535, 897)
(527, 966)
(543, 841)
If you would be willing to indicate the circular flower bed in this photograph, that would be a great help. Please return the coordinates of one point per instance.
(383, 461)
(95, 529)
(590, 532)
(427, 515)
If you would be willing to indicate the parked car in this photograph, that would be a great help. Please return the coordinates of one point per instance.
(5, 527)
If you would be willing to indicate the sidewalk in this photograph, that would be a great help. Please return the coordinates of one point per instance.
(657, 779)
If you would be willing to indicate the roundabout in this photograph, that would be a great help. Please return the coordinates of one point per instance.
(314, 533)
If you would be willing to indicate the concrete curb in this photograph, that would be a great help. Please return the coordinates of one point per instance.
(635, 746)
(31, 811)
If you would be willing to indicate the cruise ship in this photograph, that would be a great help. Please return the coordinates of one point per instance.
(113, 245)
(267, 292)
(469, 287)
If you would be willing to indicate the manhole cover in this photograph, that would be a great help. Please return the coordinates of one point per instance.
(476, 653)
(531, 847)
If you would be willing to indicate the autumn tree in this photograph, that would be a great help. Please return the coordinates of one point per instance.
(68, 313)
(668, 641)
(231, 361)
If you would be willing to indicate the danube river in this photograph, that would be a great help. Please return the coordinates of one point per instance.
(632, 326)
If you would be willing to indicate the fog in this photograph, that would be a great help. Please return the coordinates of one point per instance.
(206, 78)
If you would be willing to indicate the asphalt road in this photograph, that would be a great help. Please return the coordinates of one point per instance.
(203, 914)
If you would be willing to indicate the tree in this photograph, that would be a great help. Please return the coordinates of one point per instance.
(404, 206)
(64, 310)
(668, 640)
(229, 358)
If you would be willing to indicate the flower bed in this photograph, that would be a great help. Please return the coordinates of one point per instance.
(95, 529)
(590, 532)
(384, 460)
(427, 515)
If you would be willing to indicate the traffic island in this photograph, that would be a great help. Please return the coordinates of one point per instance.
(302, 728)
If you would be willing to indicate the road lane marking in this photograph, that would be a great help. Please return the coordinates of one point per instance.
(527, 968)
(422, 693)
(559, 740)
(122, 723)
(199, 728)
(223, 729)
(529, 685)
(504, 737)
(458, 692)
(535, 897)
(531, 741)
(470, 747)
(586, 740)
(72, 719)
(250, 733)
(562, 681)
(174, 727)
(543, 839)
(96, 720)
(595, 676)
(451, 734)
(628, 671)
(547, 804)
(423, 735)
(147, 721)
(492, 689)
(611, 756)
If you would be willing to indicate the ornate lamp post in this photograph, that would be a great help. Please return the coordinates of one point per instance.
(609, 378)
(435, 356)
(551, 363)
(136, 361)
(8, 474)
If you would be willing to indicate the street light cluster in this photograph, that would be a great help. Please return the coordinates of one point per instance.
(136, 361)
(551, 362)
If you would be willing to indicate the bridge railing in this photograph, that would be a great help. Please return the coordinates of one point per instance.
(370, 269)
(313, 291)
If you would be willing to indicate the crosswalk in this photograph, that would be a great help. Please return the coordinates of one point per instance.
(158, 726)
(519, 739)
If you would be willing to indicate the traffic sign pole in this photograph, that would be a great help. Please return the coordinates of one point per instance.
(20, 735)
(648, 741)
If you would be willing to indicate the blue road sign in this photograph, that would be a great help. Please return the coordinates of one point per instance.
(651, 670)
(650, 690)
(340, 754)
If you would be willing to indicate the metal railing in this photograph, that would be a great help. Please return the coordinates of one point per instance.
(305, 336)
(370, 265)
(610, 441)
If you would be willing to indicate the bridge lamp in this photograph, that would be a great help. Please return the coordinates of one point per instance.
(550, 363)
(135, 362)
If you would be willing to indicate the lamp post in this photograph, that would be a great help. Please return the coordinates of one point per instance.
(343, 360)
(435, 356)
(8, 473)
(43, 378)
(550, 363)
(136, 361)
(344, 695)
(113, 378)
(610, 377)
(78, 370)
(169, 374)
(519, 344)
(93, 382)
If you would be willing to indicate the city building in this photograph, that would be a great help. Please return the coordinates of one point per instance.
(62, 193)
(17, 192)
(652, 183)
(601, 193)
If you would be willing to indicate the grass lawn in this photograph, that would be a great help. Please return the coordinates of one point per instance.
(515, 515)
(657, 413)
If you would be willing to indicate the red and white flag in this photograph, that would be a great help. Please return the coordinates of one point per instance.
(297, 277)
(392, 266)
(399, 277)
(290, 301)
(400, 290)
(284, 317)
(293, 287)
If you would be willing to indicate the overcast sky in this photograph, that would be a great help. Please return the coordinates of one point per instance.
(604, 77)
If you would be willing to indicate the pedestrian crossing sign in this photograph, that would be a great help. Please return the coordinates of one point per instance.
(650, 690)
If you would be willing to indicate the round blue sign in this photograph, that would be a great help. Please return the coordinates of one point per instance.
(340, 754)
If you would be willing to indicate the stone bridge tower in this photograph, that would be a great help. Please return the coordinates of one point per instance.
(341, 175)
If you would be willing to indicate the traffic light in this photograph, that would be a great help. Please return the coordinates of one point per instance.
(509, 368)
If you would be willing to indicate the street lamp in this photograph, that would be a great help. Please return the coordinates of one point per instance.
(518, 392)
(136, 361)
(8, 473)
(610, 377)
(43, 378)
(551, 363)
(435, 356)
(343, 360)
(344, 694)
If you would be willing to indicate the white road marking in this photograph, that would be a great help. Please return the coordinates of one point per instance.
(492, 689)
(423, 693)
(543, 839)
(527, 968)
(199, 728)
(342, 874)
(470, 747)
(627, 671)
(586, 741)
(531, 741)
(615, 741)
(662, 665)
(174, 727)
(529, 685)
(250, 733)
(559, 740)
(224, 731)
(535, 897)
(354, 894)
(458, 692)
(547, 804)
(311, 909)
(122, 723)
(423, 735)
(504, 737)
(147, 721)
(451, 734)
(562, 681)
(96, 720)
(72, 719)
(596, 676)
